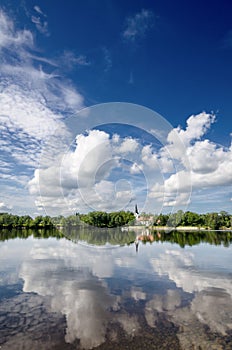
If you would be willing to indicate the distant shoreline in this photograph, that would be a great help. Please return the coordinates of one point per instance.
(168, 228)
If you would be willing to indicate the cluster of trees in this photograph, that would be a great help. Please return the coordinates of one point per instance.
(71, 220)
(10, 220)
(103, 219)
(214, 221)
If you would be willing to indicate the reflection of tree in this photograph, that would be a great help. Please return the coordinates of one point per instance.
(99, 236)
(191, 238)
(188, 238)
(13, 233)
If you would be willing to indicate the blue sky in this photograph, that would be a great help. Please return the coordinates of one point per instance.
(173, 58)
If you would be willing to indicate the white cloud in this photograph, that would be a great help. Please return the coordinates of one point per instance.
(91, 152)
(40, 21)
(209, 169)
(136, 168)
(197, 126)
(33, 101)
(41, 25)
(137, 25)
(70, 60)
(157, 160)
(205, 157)
(4, 207)
(179, 139)
(149, 158)
(128, 145)
(9, 38)
(79, 178)
(199, 163)
(38, 9)
(171, 171)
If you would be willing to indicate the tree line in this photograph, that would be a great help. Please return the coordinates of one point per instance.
(10, 220)
(96, 218)
(213, 221)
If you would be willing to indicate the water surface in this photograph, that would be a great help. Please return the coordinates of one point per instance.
(90, 290)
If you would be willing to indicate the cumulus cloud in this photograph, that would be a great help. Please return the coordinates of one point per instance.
(199, 163)
(129, 145)
(157, 160)
(87, 173)
(136, 168)
(136, 26)
(80, 177)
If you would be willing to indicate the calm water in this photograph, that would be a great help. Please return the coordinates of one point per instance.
(95, 291)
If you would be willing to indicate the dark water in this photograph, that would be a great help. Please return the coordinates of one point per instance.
(95, 291)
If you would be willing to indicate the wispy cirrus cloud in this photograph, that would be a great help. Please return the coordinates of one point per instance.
(138, 25)
(10, 39)
(71, 60)
(107, 59)
(40, 21)
(34, 100)
(39, 11)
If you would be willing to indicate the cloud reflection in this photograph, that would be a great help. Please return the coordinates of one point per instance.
(211, 303)
(73, 277)
(93, 295)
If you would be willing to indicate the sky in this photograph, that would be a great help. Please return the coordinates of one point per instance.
(105, 104)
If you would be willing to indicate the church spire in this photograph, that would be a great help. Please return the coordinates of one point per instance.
(136, 209)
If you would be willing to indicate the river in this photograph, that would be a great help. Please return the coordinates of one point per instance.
(85, 290)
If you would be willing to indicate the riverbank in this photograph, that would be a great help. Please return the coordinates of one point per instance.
(169, 228)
